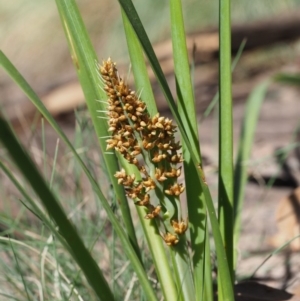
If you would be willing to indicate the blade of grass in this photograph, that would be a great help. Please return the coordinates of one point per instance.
(274, 253)
(44, 148)
(195, 198)
(54, 164)
(19, 270)
(127, 246)
(154, 241)
(85, 61)
(79, 252)
(147, 47)
(252, 110)
(208, 288)
(233, 65)
(225, 204)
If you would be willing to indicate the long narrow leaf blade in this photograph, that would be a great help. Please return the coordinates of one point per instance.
(226, 184)
(192, 288)
(252, 110)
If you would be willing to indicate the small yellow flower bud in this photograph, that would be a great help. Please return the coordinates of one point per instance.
(154, 213)
(170, 239)
(179, 227)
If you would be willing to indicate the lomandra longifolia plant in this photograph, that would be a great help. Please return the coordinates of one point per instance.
(149, 144)
(145, 165)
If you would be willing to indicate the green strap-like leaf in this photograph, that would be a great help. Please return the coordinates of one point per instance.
(226, 184)
(192, 286)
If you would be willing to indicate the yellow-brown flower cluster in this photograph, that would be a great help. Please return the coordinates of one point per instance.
(136, 135)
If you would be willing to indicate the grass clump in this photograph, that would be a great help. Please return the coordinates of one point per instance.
(143, 163)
